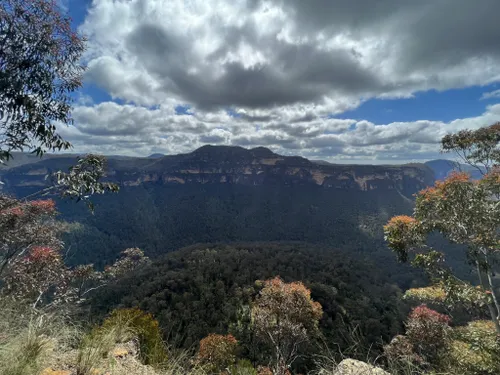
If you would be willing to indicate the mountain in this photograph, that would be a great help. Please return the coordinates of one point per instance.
(156, 156)
(235, 165)
(226, 194)
(443, 167)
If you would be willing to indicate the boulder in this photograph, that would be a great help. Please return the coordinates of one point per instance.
(354, 367)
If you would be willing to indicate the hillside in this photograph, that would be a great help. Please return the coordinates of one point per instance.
(225, 194)
(207, 288)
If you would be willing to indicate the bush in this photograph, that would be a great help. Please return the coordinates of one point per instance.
(427, 330)
(130, 323)
(242, 367)
(217, 352)
(475, 349)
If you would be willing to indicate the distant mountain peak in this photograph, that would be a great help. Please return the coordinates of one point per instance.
(443, 167)
(156, 156)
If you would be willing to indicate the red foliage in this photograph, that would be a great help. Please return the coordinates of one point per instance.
(43, 205)
(42, 254)
(427, 331)
(424, 313)
(14, 211)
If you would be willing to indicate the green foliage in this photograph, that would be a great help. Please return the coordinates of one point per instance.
(28, 338)
(39, 69)
(478, 148)
(24, 355)
(242, 367)
(94, 347)
(466, 212)
(475, 349)
(204, 289)
(84, 180)
(127, 323)
(284, 316)
(475, 224)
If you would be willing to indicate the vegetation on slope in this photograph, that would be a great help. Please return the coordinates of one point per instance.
(206, 289)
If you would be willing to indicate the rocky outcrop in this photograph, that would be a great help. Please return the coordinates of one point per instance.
(236, 165)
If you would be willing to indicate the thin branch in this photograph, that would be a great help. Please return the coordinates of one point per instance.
(94, 288)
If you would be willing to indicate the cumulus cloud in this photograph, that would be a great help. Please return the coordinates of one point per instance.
(273, 72)
(134, 130)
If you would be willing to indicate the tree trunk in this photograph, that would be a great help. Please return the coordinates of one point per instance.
(491, 307)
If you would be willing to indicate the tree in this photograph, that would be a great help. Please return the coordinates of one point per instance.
(25, 226)
(217, 352)
(427, 330)
(426, 341)
(285, 316)
(39, 69)
(464, 211)
(40, 277)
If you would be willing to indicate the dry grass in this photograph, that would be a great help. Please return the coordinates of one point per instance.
(28, 338)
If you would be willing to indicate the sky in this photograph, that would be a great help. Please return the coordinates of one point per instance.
(339, 80)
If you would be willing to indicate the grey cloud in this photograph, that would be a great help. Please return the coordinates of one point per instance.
(405, 45)
(294, 73)
(326, 141)
(212, 139)
(282, 72)
(448, 33)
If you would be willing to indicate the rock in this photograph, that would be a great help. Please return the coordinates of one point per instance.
(353, 367)
(120, 352)
(51, 371)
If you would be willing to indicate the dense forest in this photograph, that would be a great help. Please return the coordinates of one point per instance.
(159, 219)
(208, 288)
(227, 260)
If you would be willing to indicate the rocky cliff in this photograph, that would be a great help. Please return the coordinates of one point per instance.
(234, 165)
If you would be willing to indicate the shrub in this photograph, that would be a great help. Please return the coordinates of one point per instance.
(475, 349)
(130, 323)
(400, 351)
(217, 352)
(242, 367)
(427, 330)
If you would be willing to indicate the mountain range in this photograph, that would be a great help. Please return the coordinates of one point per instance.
(228, 165)
(219, 194)
(219, 218)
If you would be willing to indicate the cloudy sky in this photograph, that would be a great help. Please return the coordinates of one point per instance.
(370, 81)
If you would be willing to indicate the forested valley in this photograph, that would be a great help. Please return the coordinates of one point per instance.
(223, 259)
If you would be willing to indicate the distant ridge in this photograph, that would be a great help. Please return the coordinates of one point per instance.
(443, 167)
(156, 156)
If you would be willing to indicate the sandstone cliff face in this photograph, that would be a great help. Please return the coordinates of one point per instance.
(235, 165)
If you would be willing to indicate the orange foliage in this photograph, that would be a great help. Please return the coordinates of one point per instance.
(438, 191)
(43, 254)
(401, 221)
(218, 351)
(279, 287)
(261, 370)
(493, 176)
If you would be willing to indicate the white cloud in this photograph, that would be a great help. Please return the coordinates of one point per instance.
(282, 66)
(111, 128)
(491, 95)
